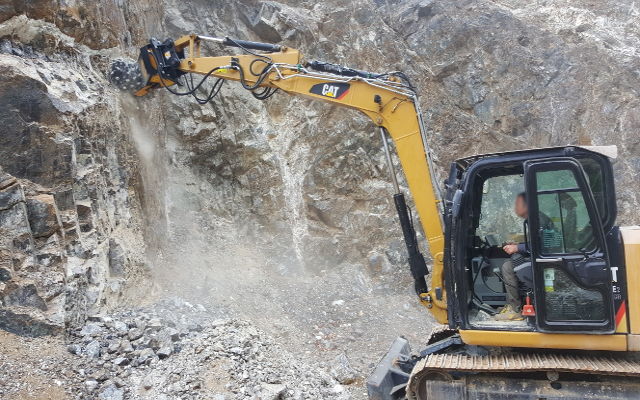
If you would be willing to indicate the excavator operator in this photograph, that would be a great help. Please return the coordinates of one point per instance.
(518, 268)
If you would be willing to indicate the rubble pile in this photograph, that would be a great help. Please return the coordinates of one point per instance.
(179, 350)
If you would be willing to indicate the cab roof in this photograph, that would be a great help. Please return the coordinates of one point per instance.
(609, 151)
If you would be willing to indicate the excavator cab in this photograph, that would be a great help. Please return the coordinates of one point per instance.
(567, 272)
(572, 282)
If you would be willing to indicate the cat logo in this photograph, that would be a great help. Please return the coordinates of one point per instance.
(334, 90)
(329, 90)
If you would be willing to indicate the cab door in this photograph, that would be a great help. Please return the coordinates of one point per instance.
(571, 268)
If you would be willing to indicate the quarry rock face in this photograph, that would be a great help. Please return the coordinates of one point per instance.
(533, 75)
(100, 193)
(64, 182)
(96, 24)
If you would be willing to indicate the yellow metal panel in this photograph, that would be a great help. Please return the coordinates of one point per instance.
(631, 240)
(545, 340)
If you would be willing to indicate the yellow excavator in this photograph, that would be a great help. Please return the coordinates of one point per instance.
(580, 325)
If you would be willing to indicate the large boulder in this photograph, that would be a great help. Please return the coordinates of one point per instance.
(43, 215)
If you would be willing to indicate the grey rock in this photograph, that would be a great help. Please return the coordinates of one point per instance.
(24, 296)
(342, 371)
(75, 349)
(91, 385)
(11, 196)
(43, 215)
(111, 392)
(264, 23)
(121, 361)
(140, 323)
(125, 373)
(135, 334)
(100, 375)
(92, 350)
(172, 333)
(121, 328)
(165, 351)
(114, 346)
(117, 258)
(125, 346)
(91, 329)
(104, 319)
(143, 342)
(145, 356)
(155, 342)
(5, 46)
(17, 51)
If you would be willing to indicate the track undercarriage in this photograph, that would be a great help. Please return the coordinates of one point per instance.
(449, 369)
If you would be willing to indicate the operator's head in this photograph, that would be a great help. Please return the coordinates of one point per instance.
(520, 206)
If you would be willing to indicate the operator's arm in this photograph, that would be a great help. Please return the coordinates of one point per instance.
(519, 248)
(522, 249)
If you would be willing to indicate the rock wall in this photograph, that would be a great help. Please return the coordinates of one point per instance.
(502, 75)
(68, 213)
(96, 24)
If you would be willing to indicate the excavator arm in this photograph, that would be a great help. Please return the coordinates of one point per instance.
(387, 99)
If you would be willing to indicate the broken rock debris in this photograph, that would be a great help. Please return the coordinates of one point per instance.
(173, 350)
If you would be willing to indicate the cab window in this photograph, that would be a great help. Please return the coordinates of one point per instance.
(593, 171)
(565, 225)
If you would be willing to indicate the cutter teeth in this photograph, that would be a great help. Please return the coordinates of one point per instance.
(126, 75)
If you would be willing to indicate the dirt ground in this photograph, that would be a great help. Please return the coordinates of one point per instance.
(33, 368)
